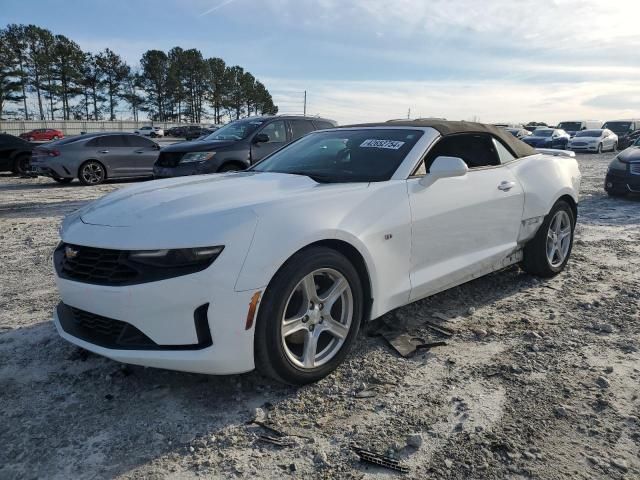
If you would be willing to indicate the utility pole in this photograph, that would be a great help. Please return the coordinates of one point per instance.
(305, 103)
(409, 114)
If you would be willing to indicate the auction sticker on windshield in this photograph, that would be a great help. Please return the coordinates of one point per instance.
(390, 144)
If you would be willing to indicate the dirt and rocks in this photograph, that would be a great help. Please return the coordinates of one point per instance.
(540, 380)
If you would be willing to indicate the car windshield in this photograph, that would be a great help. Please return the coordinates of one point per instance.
(238, 130)
(543, 133)
(336, 156)
(618, 127)
(570, 126)
(589, 133)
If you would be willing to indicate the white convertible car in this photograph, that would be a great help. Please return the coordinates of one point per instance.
(277, 267)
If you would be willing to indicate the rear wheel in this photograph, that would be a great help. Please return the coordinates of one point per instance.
(21, 165)
(309, 317)
(31, 139)
(548, 252)
(55, 137)
(92, 172)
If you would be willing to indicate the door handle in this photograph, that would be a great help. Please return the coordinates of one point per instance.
(139, 151)
(506, 186)
(103, 151)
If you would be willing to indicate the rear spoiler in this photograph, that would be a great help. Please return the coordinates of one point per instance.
(556, 153)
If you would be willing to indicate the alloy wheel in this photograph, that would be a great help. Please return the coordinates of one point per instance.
(317, 318)
(558, 238)
(92, 173)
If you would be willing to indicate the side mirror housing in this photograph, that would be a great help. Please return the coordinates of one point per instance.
(261, 138)
(445, 167)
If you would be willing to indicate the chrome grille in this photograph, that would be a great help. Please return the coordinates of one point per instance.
(635, 168)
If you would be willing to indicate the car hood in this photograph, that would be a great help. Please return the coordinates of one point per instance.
(162, 201)
(584, 139)
(533, 138)
(198, 146)
(630, 155)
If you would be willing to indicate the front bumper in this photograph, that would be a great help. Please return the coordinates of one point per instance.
(583, 148)
(183, 170)
(166, 314)
(619, 182)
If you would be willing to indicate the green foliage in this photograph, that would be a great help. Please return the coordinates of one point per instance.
(67, 83)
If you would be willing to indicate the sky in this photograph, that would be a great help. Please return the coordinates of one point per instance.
(372, 60)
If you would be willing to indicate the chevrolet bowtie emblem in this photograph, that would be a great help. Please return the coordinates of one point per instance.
(70, 253)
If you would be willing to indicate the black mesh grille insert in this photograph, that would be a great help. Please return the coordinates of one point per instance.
(94, 265)
(116, 334)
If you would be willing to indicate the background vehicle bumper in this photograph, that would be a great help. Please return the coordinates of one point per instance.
(164, 312)
(622, 182)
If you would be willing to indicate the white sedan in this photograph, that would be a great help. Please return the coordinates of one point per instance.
(149, 131)
(595, 140)
(278, 266)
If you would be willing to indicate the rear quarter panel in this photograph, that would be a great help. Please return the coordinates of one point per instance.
(544, 179)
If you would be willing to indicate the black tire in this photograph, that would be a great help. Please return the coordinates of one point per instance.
(63, 180)
(269, 347)
(599, 148)
(615, 147)
(85, 176)
(21, 165)
(32, 139)
(535, 260)
(229, 167)
(55, 137)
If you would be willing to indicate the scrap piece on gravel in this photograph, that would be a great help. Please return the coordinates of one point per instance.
(379, 460)
(365, 394)
(279, 441)
(407, 345)
(447, 332)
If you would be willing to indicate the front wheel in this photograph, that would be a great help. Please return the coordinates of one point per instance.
(615, 147)
(309, 317)
(92, 173)
(548, 252)
(55, 137)
(599, 148)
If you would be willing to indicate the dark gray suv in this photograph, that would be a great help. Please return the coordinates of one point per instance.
(235, 146)
(92, 158)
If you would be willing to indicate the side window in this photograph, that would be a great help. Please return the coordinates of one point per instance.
(504, 155)
(300, 128)
(477, 150)
(276, 131)
(112, 141)
(321, 124)
(138, 141)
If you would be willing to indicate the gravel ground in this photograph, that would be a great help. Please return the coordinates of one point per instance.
(540, 380)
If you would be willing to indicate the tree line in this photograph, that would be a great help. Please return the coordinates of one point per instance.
(68, 83)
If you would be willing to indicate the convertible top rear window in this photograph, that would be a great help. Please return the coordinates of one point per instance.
(366, 155)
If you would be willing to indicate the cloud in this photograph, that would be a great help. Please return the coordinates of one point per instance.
(363, 101)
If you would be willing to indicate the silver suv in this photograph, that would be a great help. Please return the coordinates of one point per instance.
(95, 157)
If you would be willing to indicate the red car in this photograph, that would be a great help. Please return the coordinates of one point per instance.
(42, 135)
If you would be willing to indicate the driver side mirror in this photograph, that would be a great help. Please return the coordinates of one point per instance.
(445, 167)
(261, 138)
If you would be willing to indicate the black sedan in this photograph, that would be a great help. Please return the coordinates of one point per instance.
(15, 154)
(623, 175)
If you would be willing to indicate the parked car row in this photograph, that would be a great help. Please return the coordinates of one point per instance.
(95, 157)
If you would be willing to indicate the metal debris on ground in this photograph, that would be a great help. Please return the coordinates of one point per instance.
(379, 459)
(407, 345)
(279, 441)
(365, 394)
(447, 332)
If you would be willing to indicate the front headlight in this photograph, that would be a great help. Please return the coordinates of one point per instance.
(196, 157)
(181, 257)
(616, 164)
